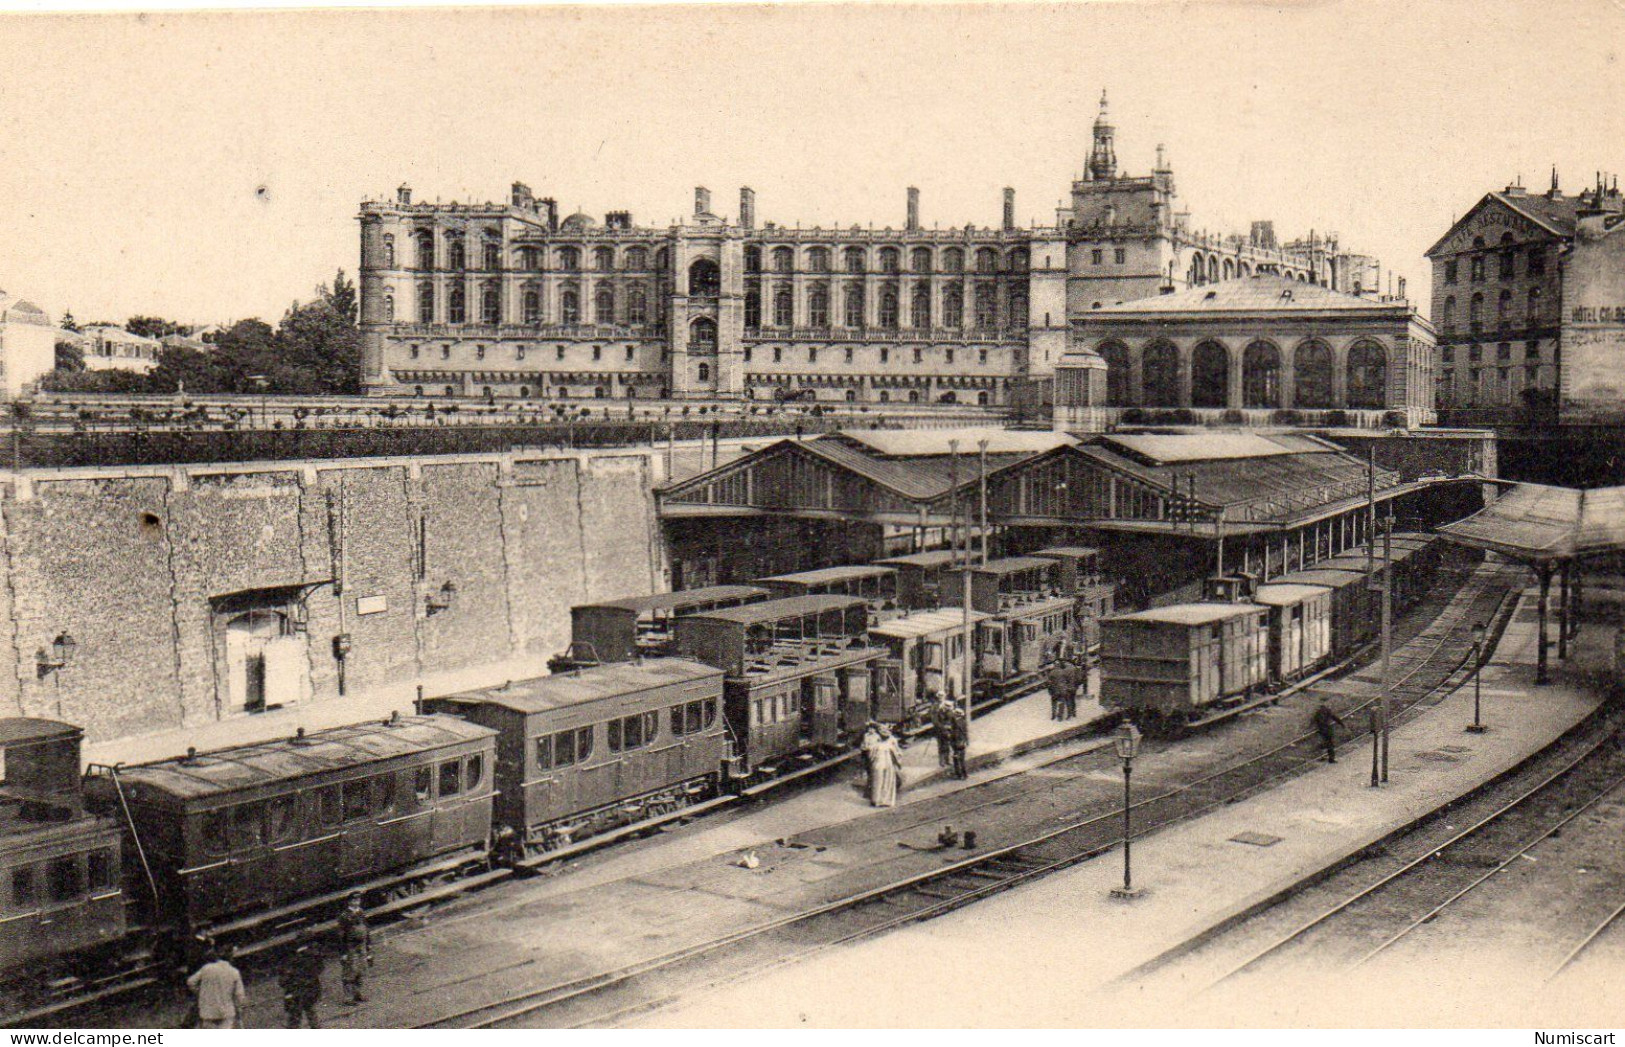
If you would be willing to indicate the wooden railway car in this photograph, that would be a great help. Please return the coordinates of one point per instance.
(876, 584)
(1079, 576)
(1300, 628)
(587, 754)
(641, 626)
(1015, 646)
(238, 836)
(61, 890)
(1003, 583)
(1355, 613)
(926, 653)
(1173, 664)
(798, 677)
(920, 578)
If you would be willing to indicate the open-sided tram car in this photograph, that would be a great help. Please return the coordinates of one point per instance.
(60, 882)
(1171, 665)
(237, 836)
(583, 754)
(875, 584)
(641, 626)
(921, 578)
(925, 653)
(1078, 575)
(798, 676)
(1029, 621)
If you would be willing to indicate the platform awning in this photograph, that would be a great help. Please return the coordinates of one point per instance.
(1541, 525)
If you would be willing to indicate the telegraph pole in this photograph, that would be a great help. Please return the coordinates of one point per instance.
(1387, 635)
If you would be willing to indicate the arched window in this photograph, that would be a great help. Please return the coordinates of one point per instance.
(637, 306)
(953, 260)
(784, 260)
(888, 309)
(919, 316)
(425, 250)
(851, 395)
(885, 396)
(389, 251)
(1018, 309)
(1198, 272)
(662, 259)
(920, 260)
(603, 259)
(1117, 374)
(1018, 260)
(702, 335)
(784, 306)
(1229, 270)
(389, 308)
(982, 398)
(451, 390)
(818, 305)
(570, 306)
(425, 303)
(456, 252)
(854, 305)
(818, 260)
(492, 259)
(890, 260)
(1261, 376)
(456, 305)
(1475, 313)
(490, 304)
(1312, 369)
(417, 390)
(1533, 319)
(1503, 311)
(530, 259)
(1213, 269)
(533, 305)
(753, 258)
(1367, 375)
(854, 259)
(1159, 375)
(704, 279)
(913, 396)
(569, 259)
(603, 305)
(986, 310)
(1447, 315)
(704, 372)
(753, 306)
(1210, 375)
(953, 306)
(987, 260)
(637, 259)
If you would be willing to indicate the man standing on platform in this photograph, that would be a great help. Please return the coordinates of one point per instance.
(959, 739)
(1326, 725)
(356, 938)
(941, 727)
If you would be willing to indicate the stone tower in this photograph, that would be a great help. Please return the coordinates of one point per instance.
(1103, 157)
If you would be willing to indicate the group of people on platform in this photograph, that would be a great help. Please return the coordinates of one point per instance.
(220, 997)
(882, 749)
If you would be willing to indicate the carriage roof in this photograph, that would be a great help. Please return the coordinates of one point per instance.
(561, 691)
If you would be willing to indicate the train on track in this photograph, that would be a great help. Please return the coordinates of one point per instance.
(1180, 665)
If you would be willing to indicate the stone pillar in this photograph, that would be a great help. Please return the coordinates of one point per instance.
(1563, 613)
(1233, 392)
(1184, 376)
(1541, 675)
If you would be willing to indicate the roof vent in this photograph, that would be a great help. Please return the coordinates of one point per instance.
(299, 737)
(394, 718)
(191, 755)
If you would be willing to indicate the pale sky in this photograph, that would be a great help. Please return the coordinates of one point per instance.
(136, 147)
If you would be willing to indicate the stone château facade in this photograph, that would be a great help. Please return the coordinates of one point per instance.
(509, 300)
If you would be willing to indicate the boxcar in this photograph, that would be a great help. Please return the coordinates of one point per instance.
(798, 675)
(1300, 628)
(238, 835)
(1355, 614)
(60, 884)
(1172, 663)
(1079, 577)
(1405, 578)
(920, 578)
(925, 653)
(641, 626)
(591, 752)
(876, 584)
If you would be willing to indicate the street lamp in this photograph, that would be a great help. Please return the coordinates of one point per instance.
(1477, 726)
(61, 653)
(1128, 745)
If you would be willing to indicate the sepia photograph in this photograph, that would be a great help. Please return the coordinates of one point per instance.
(872, 516)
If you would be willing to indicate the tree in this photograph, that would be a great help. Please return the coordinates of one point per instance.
(68, 322)
(154, 327)
(322, 341)
(70, 356)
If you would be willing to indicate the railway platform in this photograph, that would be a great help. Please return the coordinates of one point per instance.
(1076, 950)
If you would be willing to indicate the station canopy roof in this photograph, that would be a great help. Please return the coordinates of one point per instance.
(1538, 524)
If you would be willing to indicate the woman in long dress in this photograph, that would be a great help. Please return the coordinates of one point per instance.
(885, 767)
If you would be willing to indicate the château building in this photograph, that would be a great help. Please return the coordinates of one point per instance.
(511, 300)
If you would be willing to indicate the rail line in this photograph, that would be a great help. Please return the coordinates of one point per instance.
(655, 982)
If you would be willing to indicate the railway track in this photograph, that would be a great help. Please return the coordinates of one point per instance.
(1366, 924)
(1425, 668)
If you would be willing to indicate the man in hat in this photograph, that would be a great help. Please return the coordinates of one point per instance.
(1326, 725)
(301, 981)
(220, 994)
(941, 716)
(356, 939)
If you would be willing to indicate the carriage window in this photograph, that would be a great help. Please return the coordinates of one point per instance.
(23, 890)
(583, 743)
(756, 713)
(422, 784)
(474, 772)
(329, 806)
(384, 792)
(357, 799)
(544, 753)
(632, 732)
(651, 726)
(451, 778)
(282, 818)
(66, 883)
(696, 717)
(247, 826)
(614, 736)
(677, 728)
(103, 869)
(215, 838)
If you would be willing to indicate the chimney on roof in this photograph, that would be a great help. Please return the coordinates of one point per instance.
(551, 207)
(1009, 209)
(1553, 191)
(522, 198)
(702, 200)
(913, 210)
(747, 207)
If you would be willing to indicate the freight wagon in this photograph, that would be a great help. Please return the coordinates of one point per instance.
(1174, 664)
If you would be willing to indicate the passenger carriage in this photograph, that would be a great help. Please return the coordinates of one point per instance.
(1175, 664)
(1078, 575)
(921, 578)
(239, 836)
(1029, 622)
(585, 756)
(641, 626)
(797, 677)
(61, 891)
(925, 653)
(875, 584)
